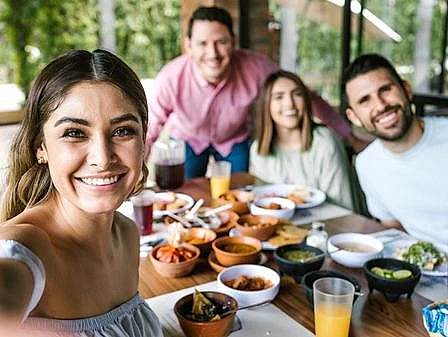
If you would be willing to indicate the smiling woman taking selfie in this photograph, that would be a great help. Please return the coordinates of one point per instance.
(290, 148)
(68, 260)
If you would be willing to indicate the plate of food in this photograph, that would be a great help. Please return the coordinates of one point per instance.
(286, 233)
(166, 202)
(431, 260)
(303, 196)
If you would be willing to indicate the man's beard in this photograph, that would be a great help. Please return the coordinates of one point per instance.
(405, 121)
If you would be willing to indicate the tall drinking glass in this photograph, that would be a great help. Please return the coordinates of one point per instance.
(169, 160)
(333, 298)
(219, 178)
(143, 211)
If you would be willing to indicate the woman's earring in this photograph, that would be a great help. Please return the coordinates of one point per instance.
(41, 161)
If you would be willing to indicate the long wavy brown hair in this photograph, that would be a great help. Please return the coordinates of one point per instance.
(29, 183)
(265, 132)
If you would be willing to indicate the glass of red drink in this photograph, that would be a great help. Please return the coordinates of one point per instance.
(143, 211)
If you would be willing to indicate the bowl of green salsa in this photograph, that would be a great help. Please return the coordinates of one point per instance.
(298, 259)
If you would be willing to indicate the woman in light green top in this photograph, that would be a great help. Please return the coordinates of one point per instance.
(290, 148)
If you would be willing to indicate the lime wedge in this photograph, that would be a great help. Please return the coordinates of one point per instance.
(402, 274)
(377, 270)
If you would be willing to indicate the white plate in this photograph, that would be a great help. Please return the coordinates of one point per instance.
(407, 240)
(164, 195)
(317, 196)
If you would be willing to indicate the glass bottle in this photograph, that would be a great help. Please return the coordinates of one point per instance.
(317, 236)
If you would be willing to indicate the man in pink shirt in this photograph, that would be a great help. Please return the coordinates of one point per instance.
(204, 96)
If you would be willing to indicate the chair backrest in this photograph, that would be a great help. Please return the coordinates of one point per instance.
(430, 104)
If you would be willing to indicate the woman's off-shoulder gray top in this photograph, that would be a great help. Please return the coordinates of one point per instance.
(134, 318)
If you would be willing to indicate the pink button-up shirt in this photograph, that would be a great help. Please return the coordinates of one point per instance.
(203, 114)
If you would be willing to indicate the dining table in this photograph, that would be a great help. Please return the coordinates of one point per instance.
(372, 314)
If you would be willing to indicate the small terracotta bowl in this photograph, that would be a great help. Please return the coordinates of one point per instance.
(239, 199)
(261, 227)
(224, 246)
(201, 238)
(175, 269)
(230, 219)
(218, 328)
(227, 218)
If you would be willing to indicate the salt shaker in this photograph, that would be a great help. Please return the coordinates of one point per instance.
(317, 236)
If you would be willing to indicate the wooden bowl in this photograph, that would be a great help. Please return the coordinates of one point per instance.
(261, 227)
(213, 262)
(201, 238)
(175, 269)
(239, 199)
(229, 220)
(217, 328)
(227, 256)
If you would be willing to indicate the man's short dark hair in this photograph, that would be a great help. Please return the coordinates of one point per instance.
(364, 64)
(213, 13)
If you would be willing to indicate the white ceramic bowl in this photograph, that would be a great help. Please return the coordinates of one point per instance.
(353, 241)
(286, 212)
(249, 297)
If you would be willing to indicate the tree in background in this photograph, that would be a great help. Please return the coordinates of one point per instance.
(319, 44)
(35, 32)
(148, 33)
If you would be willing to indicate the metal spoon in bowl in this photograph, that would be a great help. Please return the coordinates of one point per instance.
(245, 307)
(178, 218)
(191, 214)
(213, 211)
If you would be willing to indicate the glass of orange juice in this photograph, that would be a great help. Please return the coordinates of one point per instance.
(333, 298)
(219, 178)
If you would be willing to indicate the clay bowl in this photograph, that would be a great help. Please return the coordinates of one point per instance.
(201, 238)
(226, 255)
(218, 328)
(227, 218)
(261, 227)
(175, 269)
(239, 199)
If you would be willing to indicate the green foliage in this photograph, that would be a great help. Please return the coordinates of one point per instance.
(32, 32)
(148, 33)
(319, 56)
(39, 30)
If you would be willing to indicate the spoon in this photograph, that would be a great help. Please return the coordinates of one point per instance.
(191, 213)
(215, 210)
(182, 220)
(245, 307)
